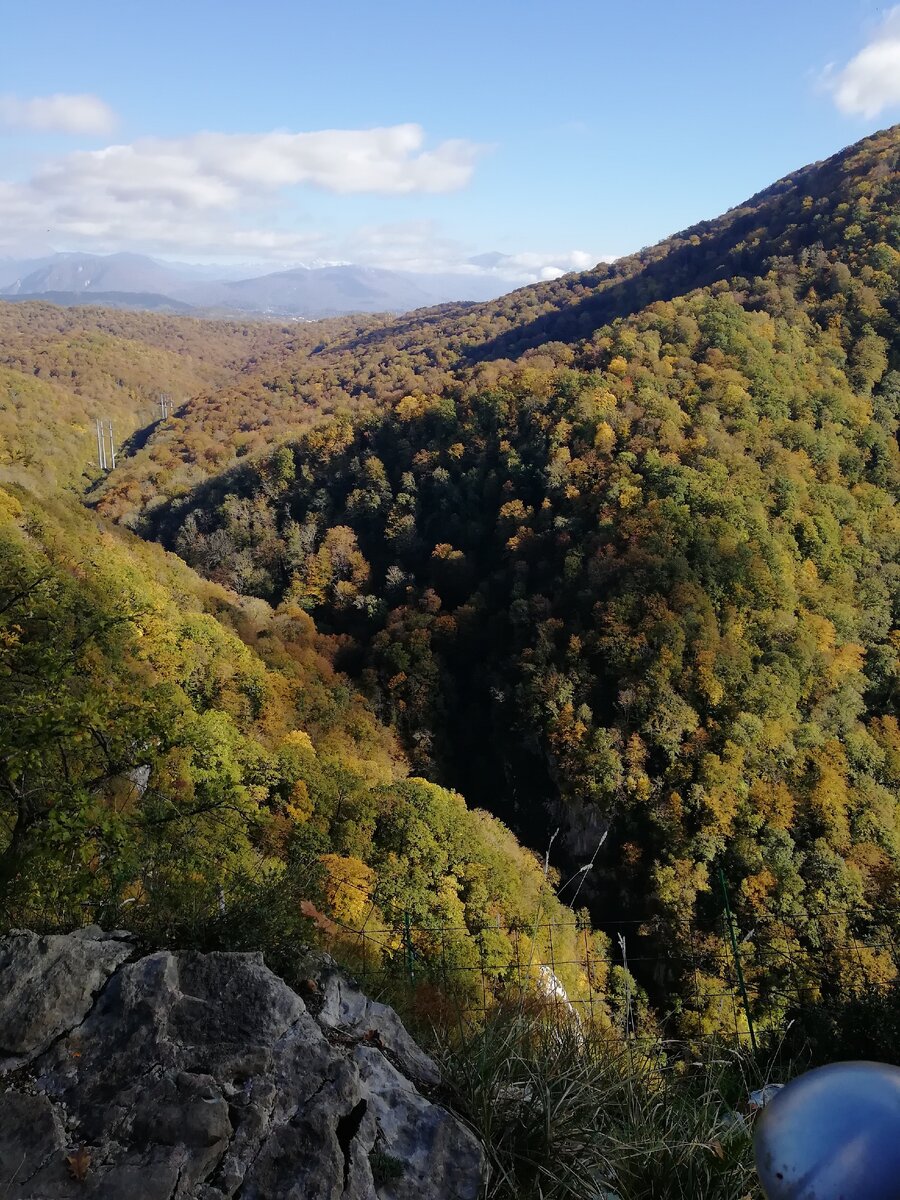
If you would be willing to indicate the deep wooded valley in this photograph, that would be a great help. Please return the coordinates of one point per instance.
(567, 611)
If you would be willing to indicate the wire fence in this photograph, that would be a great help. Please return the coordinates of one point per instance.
(741, 976)
(653, 980)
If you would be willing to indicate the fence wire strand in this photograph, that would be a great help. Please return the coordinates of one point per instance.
(675, 977)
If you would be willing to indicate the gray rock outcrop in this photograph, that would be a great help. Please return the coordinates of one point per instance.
(205, 1076)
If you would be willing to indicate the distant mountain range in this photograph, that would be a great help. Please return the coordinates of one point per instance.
(136, 281)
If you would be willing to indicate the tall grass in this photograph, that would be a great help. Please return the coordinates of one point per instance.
(566, 1113)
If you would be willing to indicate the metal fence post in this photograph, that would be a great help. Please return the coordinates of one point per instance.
(407, 941)
(737, 960)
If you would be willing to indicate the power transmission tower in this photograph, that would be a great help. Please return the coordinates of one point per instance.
(101, 446)
(112, 445)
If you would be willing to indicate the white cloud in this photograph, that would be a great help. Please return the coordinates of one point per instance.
(402, 246)
(218, 170)
(535, 266)
(870, 82)
(388, 160)
(421, 246)
(232, 197)
(219, 193)
(60, 113)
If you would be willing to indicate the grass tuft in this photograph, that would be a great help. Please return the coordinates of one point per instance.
(566, 1113)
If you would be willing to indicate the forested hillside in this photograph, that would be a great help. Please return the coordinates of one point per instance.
(171, 751)
(840, 214)
(62, 369)
(640, 580)
(616, 554)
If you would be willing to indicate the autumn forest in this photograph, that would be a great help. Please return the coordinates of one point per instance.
(428, 614)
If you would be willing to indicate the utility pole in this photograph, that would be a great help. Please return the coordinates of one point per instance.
(112, 445)
(101, 448)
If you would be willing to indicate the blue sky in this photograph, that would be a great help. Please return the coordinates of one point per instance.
(556, 134)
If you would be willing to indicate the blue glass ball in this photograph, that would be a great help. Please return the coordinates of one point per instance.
(833, 1134)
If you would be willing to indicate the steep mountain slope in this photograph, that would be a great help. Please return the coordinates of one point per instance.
(12, 269)
(639, 582)
(807, 230)
(262, 405)
(646, 577)
(170, 747)
(97, 273)
(60, 370)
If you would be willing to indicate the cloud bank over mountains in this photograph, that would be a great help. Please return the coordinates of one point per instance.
(228, 195)
(237, 198)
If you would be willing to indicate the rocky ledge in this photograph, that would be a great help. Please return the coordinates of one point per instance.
(179, 1075)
